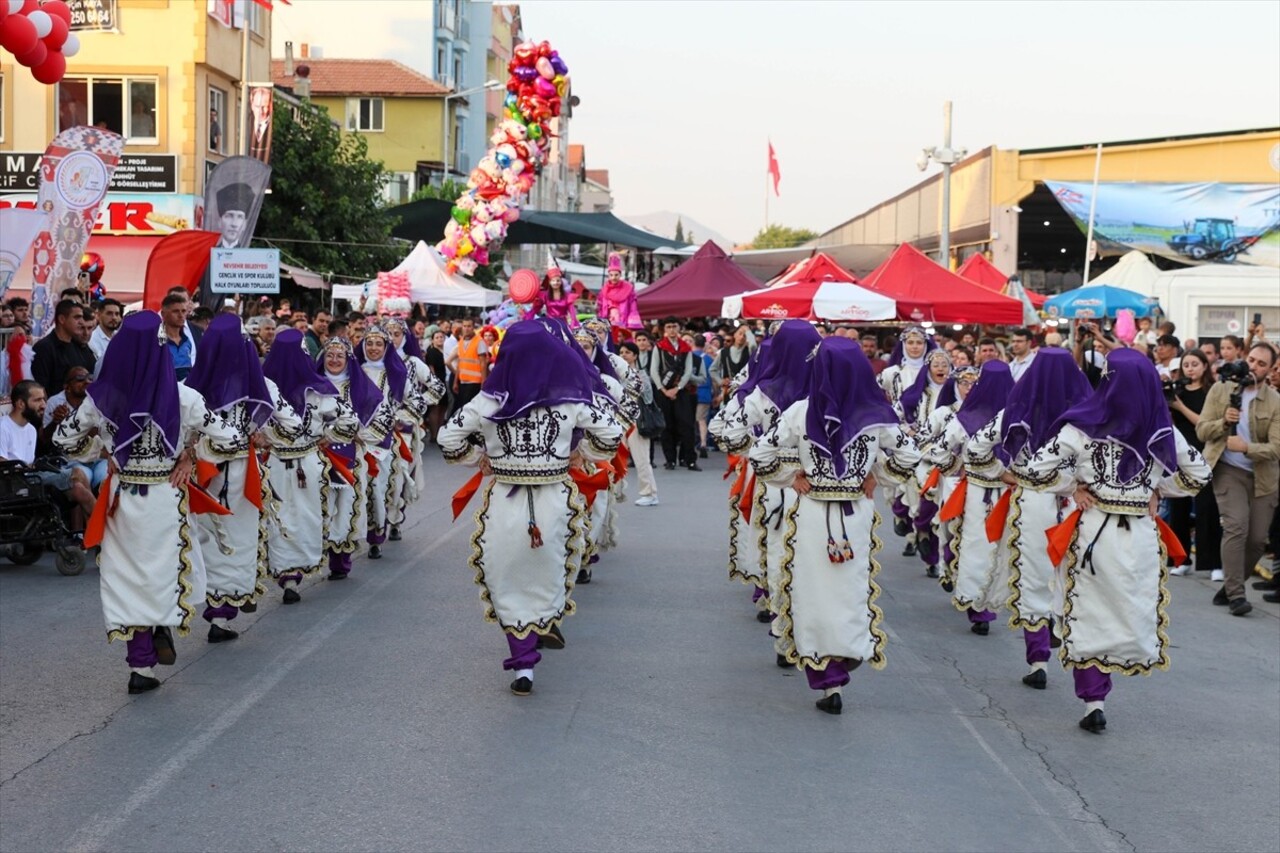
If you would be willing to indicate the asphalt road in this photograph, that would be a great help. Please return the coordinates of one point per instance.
(375, 716)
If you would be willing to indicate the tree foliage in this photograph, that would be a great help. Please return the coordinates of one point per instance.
(327, 194)
(679, 237)
(781, 237)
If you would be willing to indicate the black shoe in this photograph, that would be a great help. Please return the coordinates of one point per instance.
(764, 616)
(218, 634)
(982, 629)
(291, 596)
(901, 526)
(1220, 597)
(394, 535)
(1038, 679)
(139, 683)
(932, 572)
(1270, 585)
(1240, 606)
(1271, 597)
(249, 607)
(552, 640)
(909, 550)
(782, 662)
(162, 639)
(1055, 642)
(584, 576)
(830, 704)
(337, 576)
(1095, 722)
(522, 686)
(670, 466)
(693, 466)
(947, 586)
(375, 552)
(702, 454)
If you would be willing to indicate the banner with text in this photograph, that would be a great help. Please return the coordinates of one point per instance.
(245, 271)
(148, 214)
(90, 15)
(1191, 223)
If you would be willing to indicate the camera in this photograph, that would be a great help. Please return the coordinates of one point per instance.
(1236, 371)
(1174, 388)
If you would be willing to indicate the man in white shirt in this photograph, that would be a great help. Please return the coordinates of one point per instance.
(110, 316)
(1168, 356)
(1020, 345)
(18, 439)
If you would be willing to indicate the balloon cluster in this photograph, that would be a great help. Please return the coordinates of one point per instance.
(539, 80)
(39, 36)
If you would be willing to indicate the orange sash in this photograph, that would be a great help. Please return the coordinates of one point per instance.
(622, 461)
(1059, 536)
(200, 502)
(998, 516)
(734, 462)
(932, 480)
(253, 481)
(205, 472)
(1170, 539)
(590, 484)
(96, 527)
(464, 495)
(405, 453)
(340, 466)
(372, 462)
(955, 504)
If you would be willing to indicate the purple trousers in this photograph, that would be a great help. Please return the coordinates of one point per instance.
(140, 651)
(981, 615)
(758, 593)
(926, 538)
(295, 577)
(376, 537)
(222, 611)
(524, 653)
(1091, 684)
(835, 675)
(1037, 643)
(339, 564)
(900, 509)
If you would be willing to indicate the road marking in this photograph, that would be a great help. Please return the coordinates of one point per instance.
(100, 828)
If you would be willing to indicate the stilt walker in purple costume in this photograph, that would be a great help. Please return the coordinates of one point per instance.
(746, 561)
(522, 429)
(229, 376)
(906, 363)
(847, 436)
(388, 373)
(972, 443)
(347, 505)
(151, 573)
(780, 380)
(1117, 453)
(1051, 385)
(916, 407)
(300, 472)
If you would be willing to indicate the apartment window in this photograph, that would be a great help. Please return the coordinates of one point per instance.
(124, 105)
(457, 73)
(218, 120)
(398, 187)
(257, 18)
(440, 69)
(364, 114)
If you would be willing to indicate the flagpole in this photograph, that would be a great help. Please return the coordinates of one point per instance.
(1093, 206)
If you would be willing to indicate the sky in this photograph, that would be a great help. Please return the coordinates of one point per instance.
(680, 99)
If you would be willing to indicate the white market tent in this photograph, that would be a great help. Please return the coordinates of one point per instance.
(429, 282)
(1134, 271)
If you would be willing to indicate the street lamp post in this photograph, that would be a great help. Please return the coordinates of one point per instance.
(946, 156)
(491, 84)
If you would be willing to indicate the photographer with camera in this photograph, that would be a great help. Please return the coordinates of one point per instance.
(1240, 426)
(1092, 346)
(1186, 397)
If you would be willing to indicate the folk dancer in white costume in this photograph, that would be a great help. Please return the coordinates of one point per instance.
(916, 407)
(906, 362)
(936, 487)
(427, 391)
(385, 369)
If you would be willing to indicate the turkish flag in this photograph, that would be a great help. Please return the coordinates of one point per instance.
(774, 171)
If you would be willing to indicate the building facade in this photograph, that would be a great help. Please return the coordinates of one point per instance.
(460, 62)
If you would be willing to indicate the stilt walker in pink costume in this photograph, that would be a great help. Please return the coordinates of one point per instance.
(554, 299)
(617, 300)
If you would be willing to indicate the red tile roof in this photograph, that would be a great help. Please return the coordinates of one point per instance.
(361, 77)
(576, 154)
(599, 176)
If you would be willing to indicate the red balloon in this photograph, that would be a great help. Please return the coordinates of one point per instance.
(28, 7)
(58, 35)
(34, 57)
(51, 70)
(544, 48)
(58, 9)
(19, 35)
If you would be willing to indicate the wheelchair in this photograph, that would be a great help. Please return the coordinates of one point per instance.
(33, 518)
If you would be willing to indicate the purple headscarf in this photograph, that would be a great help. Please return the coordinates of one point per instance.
(987, 398)
(293, 371)
(1052, 384)
(227, 370)
(1128, 408)
(784, 375)
(535, 371)
(915, 393)
(559, 329)
(410, 343)
(844, 400)
(137, 386)
(364, 395)
(392, 363)
(599, 357)
(759, 358)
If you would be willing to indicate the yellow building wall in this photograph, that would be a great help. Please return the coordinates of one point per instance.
(174, 41)
(413, 130)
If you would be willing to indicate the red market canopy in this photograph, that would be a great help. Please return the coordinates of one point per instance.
(816, 288)
(696, 288)
(910, 277)
(981, 271)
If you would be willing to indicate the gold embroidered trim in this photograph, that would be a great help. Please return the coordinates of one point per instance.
(1013, 543)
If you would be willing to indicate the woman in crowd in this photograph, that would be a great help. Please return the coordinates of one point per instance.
(1184, 407)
